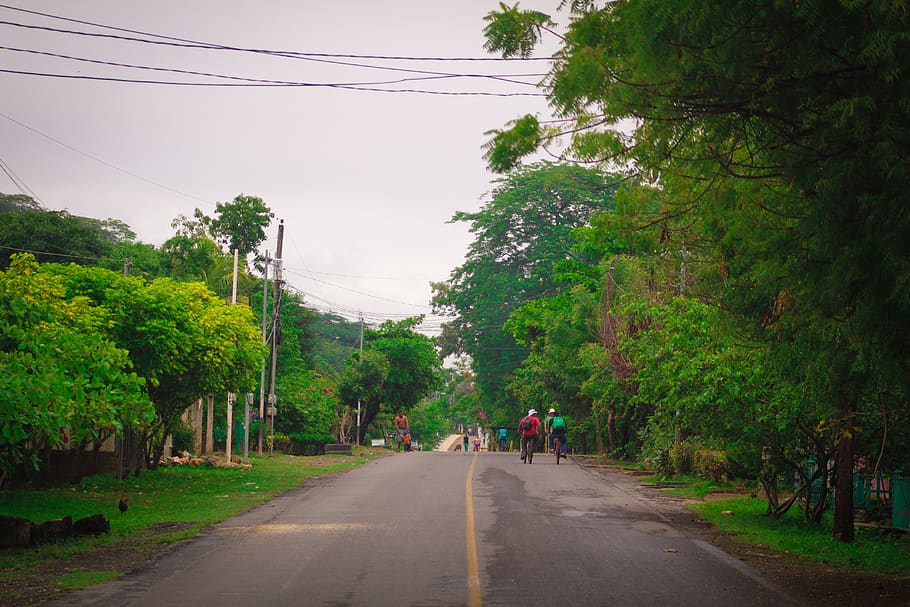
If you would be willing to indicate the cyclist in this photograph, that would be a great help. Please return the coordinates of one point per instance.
(558, 430)
(529, 427)
(547, 421)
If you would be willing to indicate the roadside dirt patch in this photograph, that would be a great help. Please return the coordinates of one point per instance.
(37, 584)
(811, 584)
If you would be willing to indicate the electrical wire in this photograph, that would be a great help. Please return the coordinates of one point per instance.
(266, 85)
(104, 162)
(18, 182)
(288, 55)
(333, 55)
(244, 80)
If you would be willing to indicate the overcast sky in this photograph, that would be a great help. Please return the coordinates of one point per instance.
(364, 181)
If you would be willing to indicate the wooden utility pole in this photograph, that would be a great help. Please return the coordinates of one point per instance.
(265, 341)
(276, 309)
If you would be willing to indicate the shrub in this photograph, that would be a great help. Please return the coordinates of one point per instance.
(711, 464)
(309, 443)
(681, 456)
(182, 438)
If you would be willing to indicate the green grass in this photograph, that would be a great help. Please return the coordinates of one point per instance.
(874, 550)
(84, 579)
(194, 496)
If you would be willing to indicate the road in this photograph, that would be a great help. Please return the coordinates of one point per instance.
(445, 529)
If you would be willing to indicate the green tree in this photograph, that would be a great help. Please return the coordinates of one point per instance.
(52, 236)
(519, 236)
(414, 362)
(241, 223)
(61, 377)
(182, 339)
(362, 379)
(797, 109)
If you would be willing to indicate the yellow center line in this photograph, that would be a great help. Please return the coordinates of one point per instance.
(473, 571)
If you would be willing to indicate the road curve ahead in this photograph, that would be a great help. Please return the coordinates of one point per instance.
(445, 529)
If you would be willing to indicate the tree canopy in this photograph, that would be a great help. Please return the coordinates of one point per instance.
(772, 136)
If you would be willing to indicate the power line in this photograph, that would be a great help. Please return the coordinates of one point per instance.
(265, 51)
(288, 55)
(18, 182)
(104, 162)
(359, 292)
(353, 87)
(249, 81)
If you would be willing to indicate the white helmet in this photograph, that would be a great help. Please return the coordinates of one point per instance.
(532, 411)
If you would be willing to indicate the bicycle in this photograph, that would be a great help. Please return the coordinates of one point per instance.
(557, 447)
(529, 448)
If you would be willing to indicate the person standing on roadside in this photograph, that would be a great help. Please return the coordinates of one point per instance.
(402, 427)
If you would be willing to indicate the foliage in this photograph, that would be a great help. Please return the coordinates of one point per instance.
(774, 131)
(241, 223)
(62, 379)
(520, 235)
(362, 379)
(52, 236)
(874, 551)
(182, 339)
(414, 363)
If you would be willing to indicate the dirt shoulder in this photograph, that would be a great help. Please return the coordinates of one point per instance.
(809, 582)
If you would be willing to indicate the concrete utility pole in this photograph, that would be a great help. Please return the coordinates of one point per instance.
(359, 362)
(276, 309)
(231, 395)
(265, 341)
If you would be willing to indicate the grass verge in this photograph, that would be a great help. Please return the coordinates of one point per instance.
(165, 506)
(874, 550)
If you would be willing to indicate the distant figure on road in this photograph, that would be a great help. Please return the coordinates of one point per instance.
(466, 440)
(402, 427)
(503, 434)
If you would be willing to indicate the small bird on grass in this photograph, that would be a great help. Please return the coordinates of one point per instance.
(123, 505)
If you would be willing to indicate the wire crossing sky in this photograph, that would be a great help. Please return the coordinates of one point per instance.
(361, 127)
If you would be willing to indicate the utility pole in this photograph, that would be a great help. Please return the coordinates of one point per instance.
(359, 363)
(265, 340)
(231, 395)
(121, 443)
(276, 308)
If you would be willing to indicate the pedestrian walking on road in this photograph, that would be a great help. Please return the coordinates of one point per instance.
(467, 441)
(401, 427)
(503, 434)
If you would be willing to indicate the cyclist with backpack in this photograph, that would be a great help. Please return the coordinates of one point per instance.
(558, 434)
(528, 428)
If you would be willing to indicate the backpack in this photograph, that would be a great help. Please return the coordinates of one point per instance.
(526, 425)
(558, 423)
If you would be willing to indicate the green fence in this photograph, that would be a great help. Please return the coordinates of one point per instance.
(900, 517)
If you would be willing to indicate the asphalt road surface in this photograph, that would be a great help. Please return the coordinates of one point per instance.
(445, 529)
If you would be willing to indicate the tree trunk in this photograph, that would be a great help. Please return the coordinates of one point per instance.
(598, 439)
(611, 427)
(843, 488)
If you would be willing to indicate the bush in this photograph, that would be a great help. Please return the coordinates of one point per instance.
(711, 464)
(681, 456)
(307, 443)
(182, 437)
